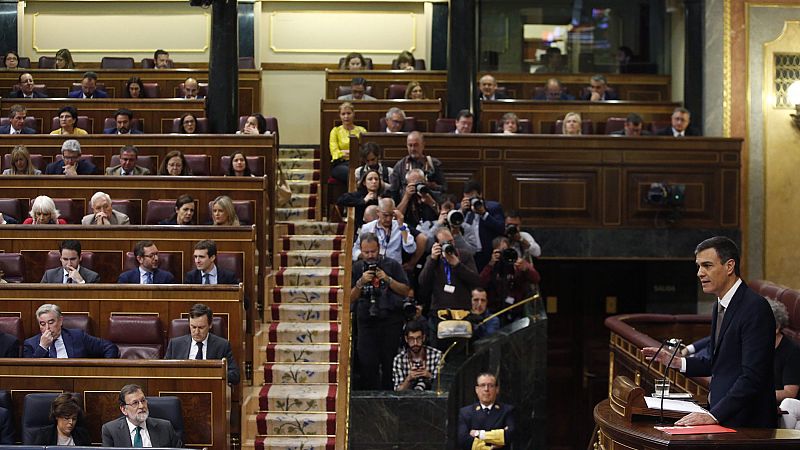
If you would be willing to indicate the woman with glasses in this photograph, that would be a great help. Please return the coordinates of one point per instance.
(66, 415)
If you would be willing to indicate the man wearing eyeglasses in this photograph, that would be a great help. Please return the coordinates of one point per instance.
(71, 162)
(148, 272)
(395, 119)
(488, 423)
(54, 341)
(136, 429)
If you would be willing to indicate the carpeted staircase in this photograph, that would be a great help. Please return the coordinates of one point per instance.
(292, 405)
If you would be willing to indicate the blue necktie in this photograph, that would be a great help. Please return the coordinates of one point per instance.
(199, 351)
(52, 350)
(148, 278)
(137, 439)
(206, 278)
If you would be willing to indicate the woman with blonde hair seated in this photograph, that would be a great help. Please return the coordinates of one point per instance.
(44, 212)
(339, 143)
(572, 124)
(414, 91)
(21, 162)
(223, 212)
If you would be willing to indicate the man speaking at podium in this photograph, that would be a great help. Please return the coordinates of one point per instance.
(740, 357)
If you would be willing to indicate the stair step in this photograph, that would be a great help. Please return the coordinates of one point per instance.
(299, 164)
(297, 398)
(304, 332)
(312, 242)
(302, 353)
(309, 276)
(317, 228)
(311, 258)
(303, 187)
(294, 443)
(296, 424)
(298, 153)
(307, 295)
(277, 373)
(301, 175)
(301, 201)
(288, 214)
(305, 313)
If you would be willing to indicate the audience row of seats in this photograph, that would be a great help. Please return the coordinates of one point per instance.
(419, 64)
(115, 62)
(611, 125)
(87, 123)
(151, 90)
(397, 91)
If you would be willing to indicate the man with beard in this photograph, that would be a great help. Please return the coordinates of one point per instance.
(417, 159)
(379, 286)
(135, 428)
(417, 365)
(148, 272)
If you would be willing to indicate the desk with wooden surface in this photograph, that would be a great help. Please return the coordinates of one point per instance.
(630, 87)
(59, 82)
(200, 385)
(434, 82)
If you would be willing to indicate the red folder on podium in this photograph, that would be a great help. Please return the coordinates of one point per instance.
(696, 429)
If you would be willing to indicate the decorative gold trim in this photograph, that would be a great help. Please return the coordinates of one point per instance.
(343, 51)
(726, 68)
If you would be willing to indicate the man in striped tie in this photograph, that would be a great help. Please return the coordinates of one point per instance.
(136, 428)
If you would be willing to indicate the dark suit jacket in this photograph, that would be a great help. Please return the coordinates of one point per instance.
(56, 275)
(668, 132)
(9, 346)
(19, 94)
(57, 168)
(610, 95)
(564, 96)
(622, 133)
(6, 129)
(497, 96)
(114, 131)
(223, 277)
(115, 433)
(741, 364)
(159, 277)
(218, 348)
(6, 428)
(78, 344)
(49, 436)
(97, 94)
(473, 417)
(489, 228)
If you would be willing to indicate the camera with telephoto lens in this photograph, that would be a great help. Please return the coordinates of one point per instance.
(448, 248)
(371, 290)
(475, 203)
(422, 188)
(511, 231)
(508, 257)
(421, 383)
(410, 308)
(455, 218)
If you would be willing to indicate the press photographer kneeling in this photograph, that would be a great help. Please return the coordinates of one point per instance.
(379, 288)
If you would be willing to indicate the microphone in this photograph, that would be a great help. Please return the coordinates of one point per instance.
(677, 344)
(650, 364)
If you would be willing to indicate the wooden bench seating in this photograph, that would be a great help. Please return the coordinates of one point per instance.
(587, 181)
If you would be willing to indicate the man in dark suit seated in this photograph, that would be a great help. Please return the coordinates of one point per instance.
(6, 428)
(16, 116)
(124, 119)
(146, 254)
(681, 117)
(9, 346)
(128, 155)
(71, 270)
(201, 344)
(71, 162)
(207, 272)
(633, 127)
(136, 428)
(191, 89)
(57, 342)
(553, 91)
(26, 88)
(464, 122)
(487, 89)
(488, 423)
(600, 92)
(88, 88)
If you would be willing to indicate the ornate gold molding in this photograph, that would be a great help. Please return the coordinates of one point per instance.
(726, 68)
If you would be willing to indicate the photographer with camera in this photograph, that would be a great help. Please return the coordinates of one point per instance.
(416, 159)
(417, 202)
(393, 234)
(507, 278)
(522, 242)
(417, 365)
(379, 288)
(479, 313)
(452, 218)
(486, 217)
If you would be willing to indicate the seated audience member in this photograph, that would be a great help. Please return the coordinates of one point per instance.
(464, 122)
(136, 428)
(255, 124)
(238, 167)
(53, 341)
(104, 214)
(88, 88)
(21, 162)
(5, 219)
(355, 61)
(9, 345)
(510, 123)
(339, 142)
(553, 91)
(44, 212)
(223, 212)
(416, 202)
(600, 92)
(207, 271)
(174, 163)
(485, 216)
(147, 272)
(200, 343)
(372, 159)
(507, 278)
(26, 88)
(12, 60)
(416, 159)
(124, 120)
(16, 116)
(487, 87)
(184, 212)
(127, 163)
(71, 270)
(161, 59)
(65, 415)
(6, 428)
(681, 117)
(188, 124)
(488, 424)
(466, 238)
(134, 88)
(786, 370)
(191, 89)
(392, 232)
(554, 62)
(67, 122)
(416, 367)
(571, 126)
(414, 91)
(521, 241)
(378, 288)
(406, 60)
(395, 119)
(480, 312)
(358, 90)
(64, 59)
(633, 127)
(71, 162)
(370, 188)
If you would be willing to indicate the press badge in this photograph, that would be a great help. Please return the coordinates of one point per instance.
(449, 288)
(510, 300)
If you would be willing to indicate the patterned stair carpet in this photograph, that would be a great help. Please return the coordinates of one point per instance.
(296, 404)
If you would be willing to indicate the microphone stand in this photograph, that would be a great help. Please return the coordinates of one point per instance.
(677, 344)
(650, 364)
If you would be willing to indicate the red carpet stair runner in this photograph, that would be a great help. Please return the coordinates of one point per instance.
(292, 405)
